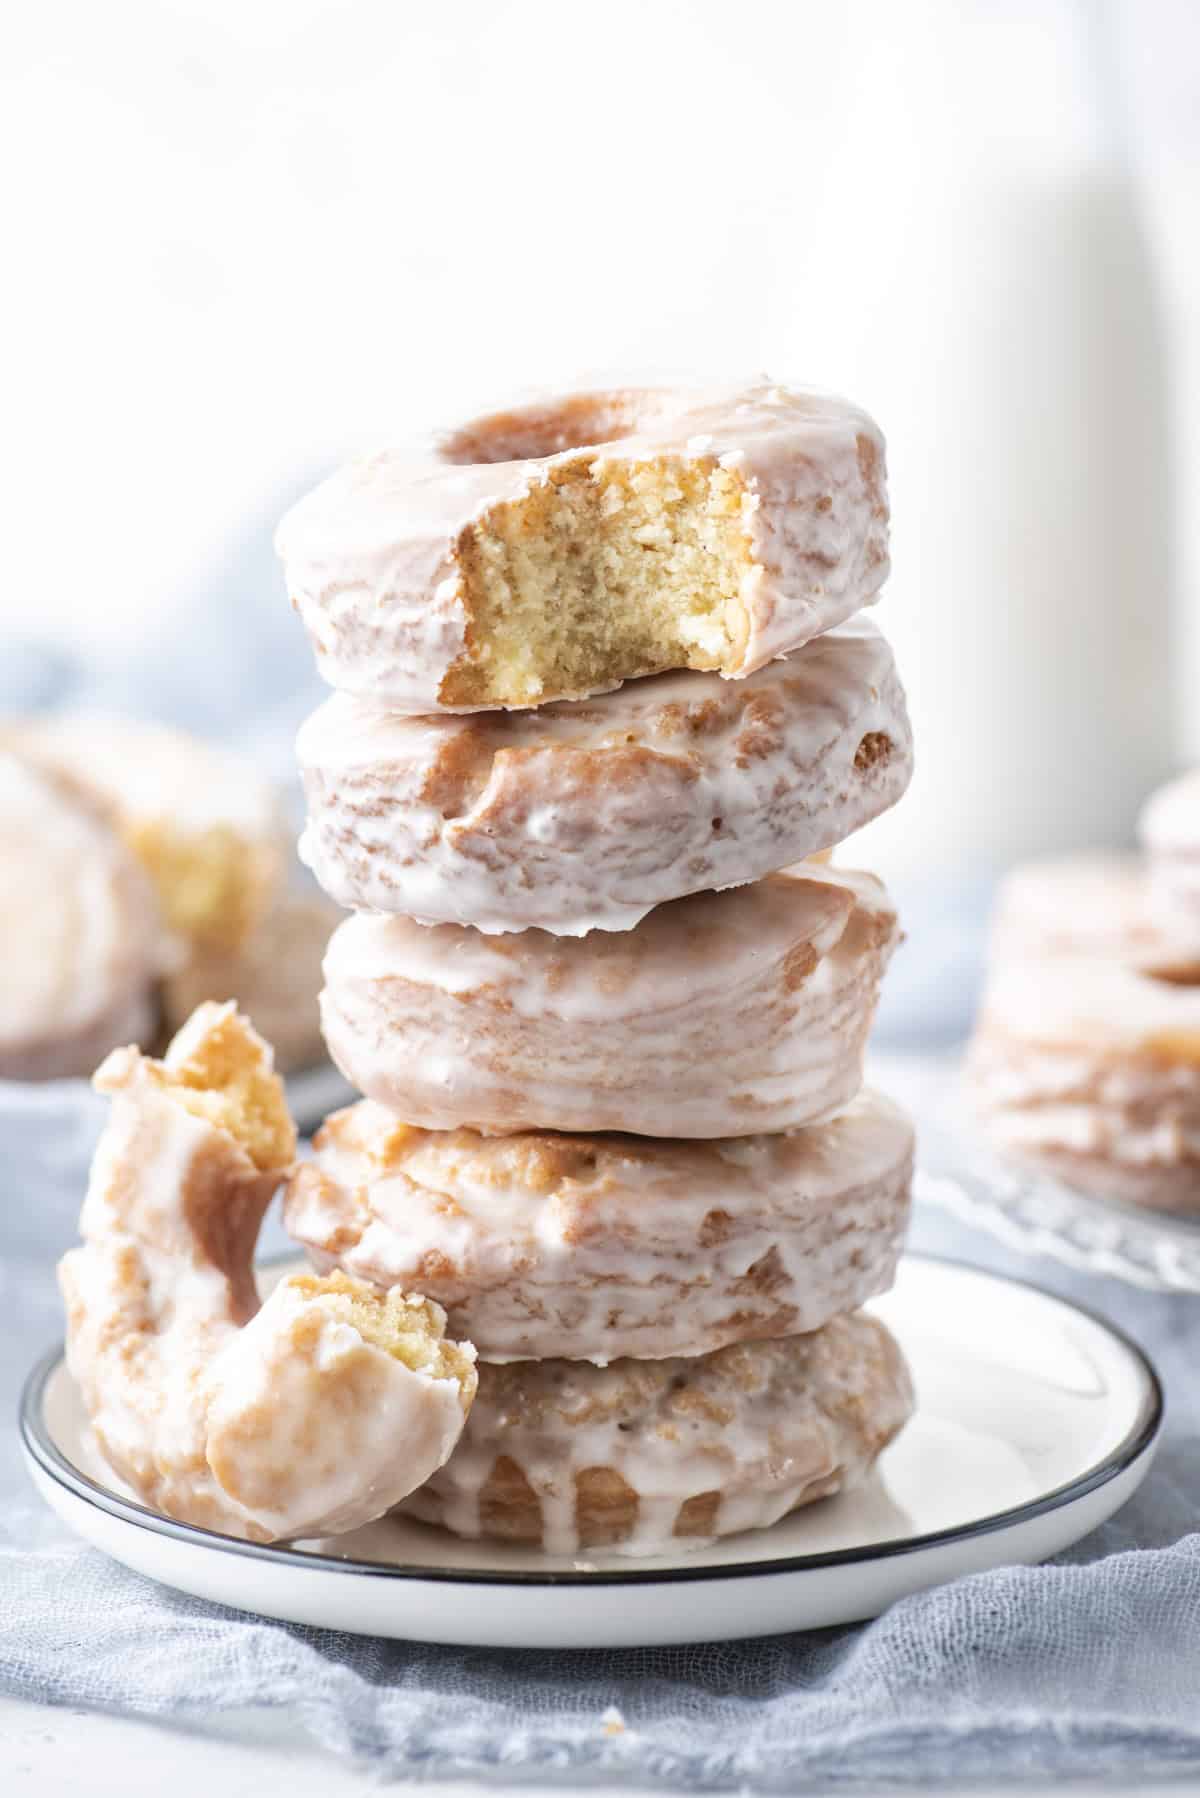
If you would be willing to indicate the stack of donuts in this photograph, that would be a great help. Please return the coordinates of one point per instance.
(1085, 1061)
(605, 697)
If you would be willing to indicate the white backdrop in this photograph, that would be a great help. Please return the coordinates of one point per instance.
(248, 236)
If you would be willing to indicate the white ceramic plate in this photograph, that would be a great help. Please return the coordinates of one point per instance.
(1035, 1422)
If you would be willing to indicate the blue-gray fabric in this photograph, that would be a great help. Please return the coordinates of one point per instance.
(1088, 1666)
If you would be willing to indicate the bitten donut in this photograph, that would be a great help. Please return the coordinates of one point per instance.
(719, 1015)
(275, 976)
(1099, 905)
(594, 1247)
(554, 551)
(1086, 1067)
(205, 825)
(644, 1456)
(1170, 833)
(81, 943)
(585, 815)
(310, 1416)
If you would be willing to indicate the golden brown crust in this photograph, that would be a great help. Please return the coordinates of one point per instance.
(567, 1456)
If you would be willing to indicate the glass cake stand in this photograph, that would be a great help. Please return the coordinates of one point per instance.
(1041, 1216)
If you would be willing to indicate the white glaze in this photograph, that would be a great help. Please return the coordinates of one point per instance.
(766, 1426)
(717, 1015)
(370, 554)
(286, 1425)
(597, 1247)
(584, 815)
(80, 934)
(312, 1431)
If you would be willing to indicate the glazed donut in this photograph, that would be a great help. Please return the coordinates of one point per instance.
(1170, 831)
(719, 1015)
(81, 944)
(275, 976)
(584, 815)
(554, 551)
(205, 825)
(310, 1416)
(1090, 1069)
(1099, 905)
(644, 1455)
(594, 1247)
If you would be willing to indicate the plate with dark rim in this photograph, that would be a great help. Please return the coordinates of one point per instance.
(1035, 1421)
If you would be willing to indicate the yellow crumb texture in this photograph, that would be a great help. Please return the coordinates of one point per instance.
(219, 1068)
(603, 571)
(410, 1329)
(213, 884)
(1175, 1046)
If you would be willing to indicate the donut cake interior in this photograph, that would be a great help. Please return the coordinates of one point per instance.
(221, 1071)
(610, 568)
(208, 883)
(203, 825)
(410, 1329)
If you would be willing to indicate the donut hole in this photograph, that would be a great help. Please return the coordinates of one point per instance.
(509, 1508)
(607, 569)
(1175, 973)
(530, 433)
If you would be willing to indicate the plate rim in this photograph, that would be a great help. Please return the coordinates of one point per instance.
(1136, 1442)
